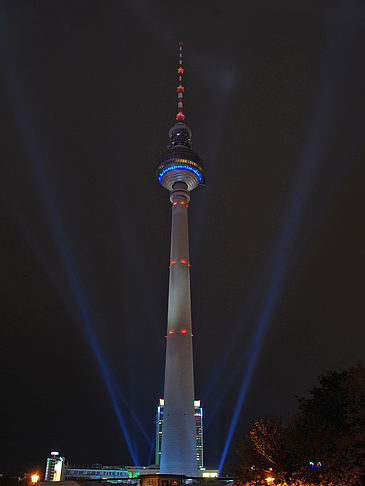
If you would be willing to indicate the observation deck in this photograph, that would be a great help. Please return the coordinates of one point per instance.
(180, 163)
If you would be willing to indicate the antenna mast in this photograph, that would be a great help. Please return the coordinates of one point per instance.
(180, 89)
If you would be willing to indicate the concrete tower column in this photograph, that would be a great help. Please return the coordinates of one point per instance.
(178, 455)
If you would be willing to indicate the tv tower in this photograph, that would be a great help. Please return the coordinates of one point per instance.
(179, 171)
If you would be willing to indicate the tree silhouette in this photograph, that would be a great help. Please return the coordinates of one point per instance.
(324, 443)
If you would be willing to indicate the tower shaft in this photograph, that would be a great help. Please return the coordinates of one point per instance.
(179, 451)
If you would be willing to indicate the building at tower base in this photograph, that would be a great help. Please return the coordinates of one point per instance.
(198, 414)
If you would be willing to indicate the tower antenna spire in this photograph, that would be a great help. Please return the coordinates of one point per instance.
(180, 89)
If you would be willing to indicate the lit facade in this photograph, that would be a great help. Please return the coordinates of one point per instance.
(198, 414)
(93, 472)
(136, 471)
(55, 467)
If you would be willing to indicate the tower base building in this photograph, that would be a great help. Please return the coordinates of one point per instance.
(198, 415)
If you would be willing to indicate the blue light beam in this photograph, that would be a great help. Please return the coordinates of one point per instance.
(60, 241)
(323, 132)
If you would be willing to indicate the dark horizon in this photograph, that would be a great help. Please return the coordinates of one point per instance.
(274, 97)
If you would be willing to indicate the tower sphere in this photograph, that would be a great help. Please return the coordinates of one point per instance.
(180, 163)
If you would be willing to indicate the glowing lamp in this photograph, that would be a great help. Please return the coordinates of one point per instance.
(34, 478)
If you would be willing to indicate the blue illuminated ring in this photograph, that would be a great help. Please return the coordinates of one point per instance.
(186, 167)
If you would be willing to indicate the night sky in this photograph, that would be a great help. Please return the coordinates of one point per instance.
(274, 94)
